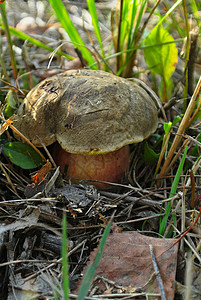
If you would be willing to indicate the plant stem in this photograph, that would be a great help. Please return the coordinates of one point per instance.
(164, 89)
(192, 57)
(187, 56)
(119, 35)
(10, 44)
(2, 64)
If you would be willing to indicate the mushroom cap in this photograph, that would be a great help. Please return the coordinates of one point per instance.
(87, 112)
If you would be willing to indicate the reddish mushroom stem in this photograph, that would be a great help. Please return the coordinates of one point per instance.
(110, 167)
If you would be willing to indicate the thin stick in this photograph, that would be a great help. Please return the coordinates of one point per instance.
(148, 18)
(189, 279)
(185, 233)
(96, 51)
(157, 273)
(185, 143)
(164, 148)
(8, 179)
(24, 138)
(48, 153)
(54, 263)
(27, 141)
(196, 250)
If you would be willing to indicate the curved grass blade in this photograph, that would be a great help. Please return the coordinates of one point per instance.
(92, 268)
(172, 193)
(168, 13)
(23, 36)
(72, 32)
(131, 12)
(93, 13)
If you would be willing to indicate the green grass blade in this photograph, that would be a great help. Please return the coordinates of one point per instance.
(134, 21)
(93, 13)
(131, 20)
(69, 27)
(131, 12)
(195, 11)
(173, 20)
(23, 36)
(64, 254)
(127, 15)
(124, 24)
(168, 12)
(137, 20)
(92, 268)
(167, 127)
(178, 174)
(172, 193)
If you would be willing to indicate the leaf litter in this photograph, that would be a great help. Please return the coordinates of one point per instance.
(30, 239)
(127, 262)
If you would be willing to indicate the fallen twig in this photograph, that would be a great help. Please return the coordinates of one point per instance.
(157, 273)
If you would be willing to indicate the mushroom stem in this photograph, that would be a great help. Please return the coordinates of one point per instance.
(110, 167)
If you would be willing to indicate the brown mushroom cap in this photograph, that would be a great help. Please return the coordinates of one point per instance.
(87, 112)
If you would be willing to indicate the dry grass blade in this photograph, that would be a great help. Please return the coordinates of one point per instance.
(181, 130)
(6, 124)
(8, 178)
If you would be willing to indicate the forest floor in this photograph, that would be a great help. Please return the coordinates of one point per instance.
(136, 257)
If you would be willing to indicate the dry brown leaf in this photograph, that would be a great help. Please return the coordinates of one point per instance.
(126, 260)
(40, 175)
(6, 125)
(27, 221)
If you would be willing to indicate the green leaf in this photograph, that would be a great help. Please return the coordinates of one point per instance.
(150, 156)
(22, 155)
(176, 120)
(11, 104)
(161, 57)
(3, 138)
(167, 127)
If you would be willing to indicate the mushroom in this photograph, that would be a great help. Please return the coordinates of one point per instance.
(92, 116)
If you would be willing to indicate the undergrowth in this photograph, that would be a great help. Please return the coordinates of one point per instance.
(138, 29)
